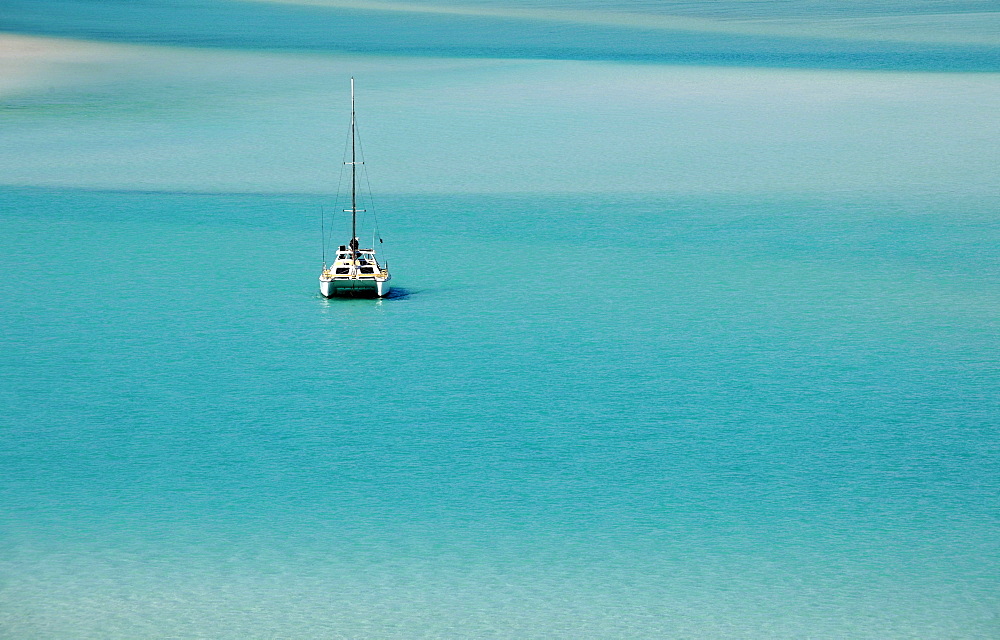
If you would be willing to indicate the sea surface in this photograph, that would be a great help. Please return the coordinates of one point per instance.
(694, 331)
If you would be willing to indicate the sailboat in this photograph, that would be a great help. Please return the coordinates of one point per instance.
(355, 271)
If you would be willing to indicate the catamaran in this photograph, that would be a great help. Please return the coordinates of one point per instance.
(355, 271)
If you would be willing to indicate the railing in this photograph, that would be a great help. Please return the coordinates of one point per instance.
(384, 273)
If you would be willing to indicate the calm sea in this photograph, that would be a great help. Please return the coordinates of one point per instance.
(746, 407)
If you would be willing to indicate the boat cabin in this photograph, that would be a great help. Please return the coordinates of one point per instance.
(345, 263)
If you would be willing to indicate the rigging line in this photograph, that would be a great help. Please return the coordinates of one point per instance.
(371, 198)
(376, 231)
(340, 187)
(370, 206)
(343, 167)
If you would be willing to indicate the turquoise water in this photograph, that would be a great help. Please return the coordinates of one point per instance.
(777, 418)
(675, 350)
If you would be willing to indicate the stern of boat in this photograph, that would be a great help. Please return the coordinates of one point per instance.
(331, 285)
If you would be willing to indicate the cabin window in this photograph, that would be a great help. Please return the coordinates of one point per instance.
(343, 270)
(367, 269)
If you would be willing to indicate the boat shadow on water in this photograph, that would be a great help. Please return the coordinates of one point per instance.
(400, 293)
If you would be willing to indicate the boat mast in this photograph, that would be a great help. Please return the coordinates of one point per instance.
(354, 169)
(354, 184)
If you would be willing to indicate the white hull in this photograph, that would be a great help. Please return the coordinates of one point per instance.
(359, 287)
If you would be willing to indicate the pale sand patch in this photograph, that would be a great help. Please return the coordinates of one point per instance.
(31, 63)
(944, 28)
